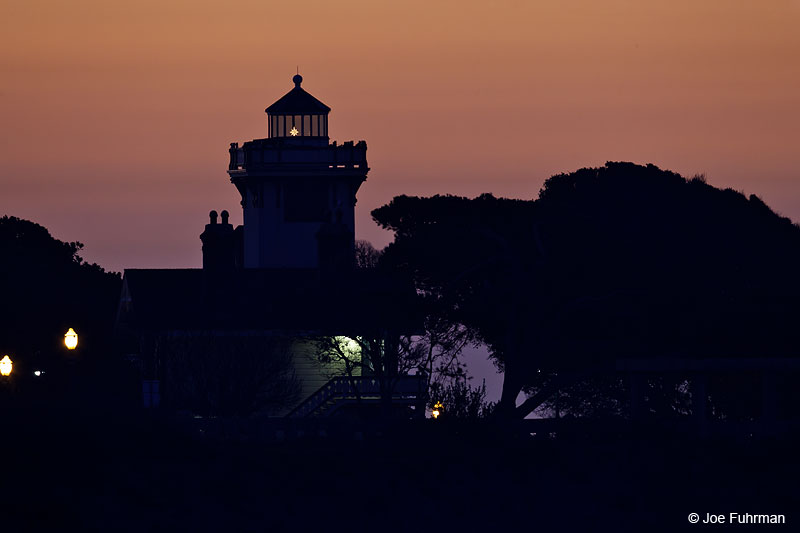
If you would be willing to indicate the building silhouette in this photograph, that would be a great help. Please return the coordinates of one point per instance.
(297, 188)
(287, 273)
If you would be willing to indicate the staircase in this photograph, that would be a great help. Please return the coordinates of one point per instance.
(340, 391)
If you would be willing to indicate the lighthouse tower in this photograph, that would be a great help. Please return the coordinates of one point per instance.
(298, 189)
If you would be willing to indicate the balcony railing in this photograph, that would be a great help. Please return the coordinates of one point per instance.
(272, 153)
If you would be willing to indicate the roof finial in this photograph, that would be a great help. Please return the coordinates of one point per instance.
(297, 79)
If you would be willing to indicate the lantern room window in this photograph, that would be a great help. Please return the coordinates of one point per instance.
(298, 114)
(298, 126)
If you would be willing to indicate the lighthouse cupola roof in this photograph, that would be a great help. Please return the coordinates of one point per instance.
(298, 102)
(298, 114)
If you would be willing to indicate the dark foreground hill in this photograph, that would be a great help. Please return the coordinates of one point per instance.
(64, 472)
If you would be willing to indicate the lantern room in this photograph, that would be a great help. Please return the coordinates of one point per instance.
(298, 114)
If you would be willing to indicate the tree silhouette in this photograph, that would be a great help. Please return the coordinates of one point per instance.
(460, 400)
(388, 357)
(425, 345)
(619, 261)
(378, 354)
(47, 288)
(366, 255)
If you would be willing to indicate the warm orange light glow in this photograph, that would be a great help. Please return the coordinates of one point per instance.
(71, 339)
(293, 132)
(437, 410)
(6, 366)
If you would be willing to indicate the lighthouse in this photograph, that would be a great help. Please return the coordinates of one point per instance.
(298, 189)
(275, 290)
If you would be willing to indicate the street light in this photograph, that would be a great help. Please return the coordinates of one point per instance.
(437, 409)
(71, 339)
(6, 366)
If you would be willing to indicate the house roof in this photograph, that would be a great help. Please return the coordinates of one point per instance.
(296, 300)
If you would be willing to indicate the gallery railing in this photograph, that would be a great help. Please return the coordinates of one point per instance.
(269, 154)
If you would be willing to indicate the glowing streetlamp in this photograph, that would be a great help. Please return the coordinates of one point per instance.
(437, 410)
(71, 339)
(6, 366)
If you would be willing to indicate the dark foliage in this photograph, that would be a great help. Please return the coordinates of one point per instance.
(47, 288)
(619, 261)
(366, 255)
(460, 400)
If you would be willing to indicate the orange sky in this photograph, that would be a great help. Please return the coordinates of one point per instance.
(116, 116)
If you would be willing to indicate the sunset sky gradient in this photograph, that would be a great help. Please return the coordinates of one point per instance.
(117, 116)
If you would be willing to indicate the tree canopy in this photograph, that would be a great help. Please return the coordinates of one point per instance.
(618, 261)
(47, 288)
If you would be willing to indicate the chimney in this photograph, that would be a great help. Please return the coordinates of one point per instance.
(219, 245)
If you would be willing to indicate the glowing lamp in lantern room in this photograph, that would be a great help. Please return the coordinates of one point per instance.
(6, 366)
(71, 339)
(437, 409)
